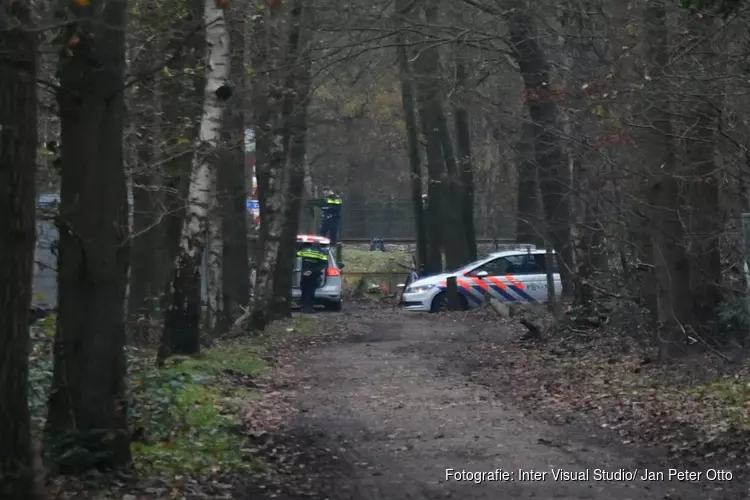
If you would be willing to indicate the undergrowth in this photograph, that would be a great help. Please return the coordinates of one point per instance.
(182, 417)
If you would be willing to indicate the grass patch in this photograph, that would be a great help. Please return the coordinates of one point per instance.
(722, 400)
(237, 357)
(183, 418)
(300, 324)
(363, 261)
(189, 430)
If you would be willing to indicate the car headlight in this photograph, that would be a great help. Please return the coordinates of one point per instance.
(419, 288)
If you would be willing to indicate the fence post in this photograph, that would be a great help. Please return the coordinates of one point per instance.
(339, 251)
(454, 303)
(389, 219)
(315, 221)
(746, 237)
(746, 260)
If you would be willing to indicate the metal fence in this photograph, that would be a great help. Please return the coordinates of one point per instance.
(395, 220)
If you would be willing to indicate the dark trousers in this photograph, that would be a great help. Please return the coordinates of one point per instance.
(308, 285)
(329, 228)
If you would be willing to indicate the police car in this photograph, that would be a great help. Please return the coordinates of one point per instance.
(328, 293)
(515, 276)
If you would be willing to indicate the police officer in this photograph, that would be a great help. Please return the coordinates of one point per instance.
(314, 261)
(330, 211)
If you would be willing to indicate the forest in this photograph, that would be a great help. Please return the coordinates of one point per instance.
(613, 134)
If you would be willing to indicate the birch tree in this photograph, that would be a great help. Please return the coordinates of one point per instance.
(182, 322)
(164, 110)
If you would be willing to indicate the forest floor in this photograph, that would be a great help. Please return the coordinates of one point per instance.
(381, 403)
(378, 403)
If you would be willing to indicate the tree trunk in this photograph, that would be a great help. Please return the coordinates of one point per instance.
(453, 235)
(181, 107)
(148, 231)
(553, 170)
(412, 137)
(426, 69)
(216, 320)
(270, 161)
(636, 247)
(706, 221)
(671, 265)
(182, 322)
(706, 224)
(18, 143)
(275, 201)
(455, 242)
(87, 422)
(465, 161)
(263, 44)
(528, 223)
(295, 121)
(233, 185)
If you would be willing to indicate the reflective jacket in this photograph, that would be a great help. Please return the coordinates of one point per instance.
(312, 259)
(330, 207)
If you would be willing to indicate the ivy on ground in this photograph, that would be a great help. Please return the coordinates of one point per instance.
(182, 417)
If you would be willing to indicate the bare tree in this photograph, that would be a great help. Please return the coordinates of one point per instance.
(87, 406)
(670, 259)
(297, 97)
(273, 183)
(553, 175)
(232, 177)
(412, 132)
(18, 146)
(463, 148)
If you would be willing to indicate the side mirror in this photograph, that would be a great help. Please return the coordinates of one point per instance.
(342, 265)
(482, 274)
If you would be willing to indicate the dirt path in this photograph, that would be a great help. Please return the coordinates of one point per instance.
(389, 416)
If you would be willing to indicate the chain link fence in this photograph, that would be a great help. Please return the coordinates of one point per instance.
(395, 220)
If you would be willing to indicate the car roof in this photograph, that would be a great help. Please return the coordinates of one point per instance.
(312, 238)
(506, 253)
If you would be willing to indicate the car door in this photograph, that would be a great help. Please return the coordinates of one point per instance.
(507, 278)
(533, 277)
(541, 261)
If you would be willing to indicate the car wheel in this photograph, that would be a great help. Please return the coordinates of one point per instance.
(440, 302)
(334, 306)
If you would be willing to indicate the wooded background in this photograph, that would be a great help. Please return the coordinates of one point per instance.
(614, 132)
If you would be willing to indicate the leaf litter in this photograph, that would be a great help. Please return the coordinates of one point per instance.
(694, 411)
(255, 402)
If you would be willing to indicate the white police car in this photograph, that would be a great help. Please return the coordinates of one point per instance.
(328, 293)
(509, 276)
